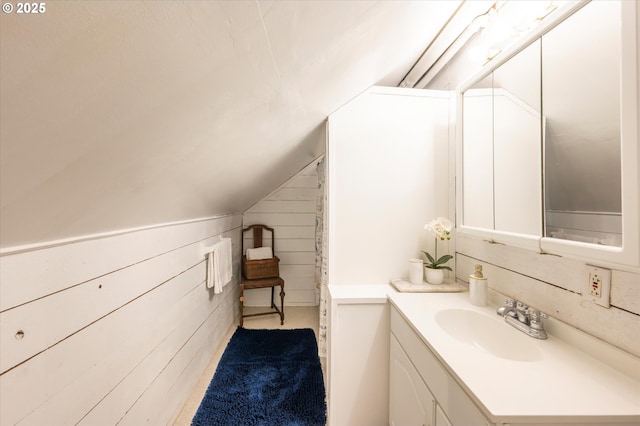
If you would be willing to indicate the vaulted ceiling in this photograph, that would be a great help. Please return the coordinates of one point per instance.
(116, 115)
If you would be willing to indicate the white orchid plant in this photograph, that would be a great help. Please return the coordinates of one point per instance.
(441, 230)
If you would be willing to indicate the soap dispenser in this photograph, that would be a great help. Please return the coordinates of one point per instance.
(478, 287)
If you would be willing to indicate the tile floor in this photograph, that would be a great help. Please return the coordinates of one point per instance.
(295, 317)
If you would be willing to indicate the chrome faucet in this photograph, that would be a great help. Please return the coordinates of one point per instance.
(524, 318)
(508, 309)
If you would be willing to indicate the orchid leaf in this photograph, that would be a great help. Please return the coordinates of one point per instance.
(443, 259)
(443, 267)
(429, 257)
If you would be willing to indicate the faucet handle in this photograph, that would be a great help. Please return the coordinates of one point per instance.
(510, 302)
(535, 318)
(536, 315)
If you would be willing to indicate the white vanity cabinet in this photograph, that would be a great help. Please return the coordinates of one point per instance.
(358, 362)
(410, 402)
(421, 391)
(454, 363)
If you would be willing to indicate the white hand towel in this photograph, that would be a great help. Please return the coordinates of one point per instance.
(259, 253)
(210, 261)
(219, 265)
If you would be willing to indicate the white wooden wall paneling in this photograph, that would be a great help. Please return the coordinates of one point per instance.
(297, 258)
(156, 374)
(302, 297)
(113, 366)
(560, 271)
(112, 406)
(83, 304)
(54, 378)
(296, 194)
(27, 276)
(297, 271)
(122, 359)
(117, 405)
(281, 206)
(537, 283)
(303, 180)
(283, 232)
(272, 219)
(192, 372)
(102, 361)
(287, 244)
(625, 293)
(146, 409)
(563, 272)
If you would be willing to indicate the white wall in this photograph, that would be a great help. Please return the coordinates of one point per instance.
(117, 329)
(291, 211)
(388, 175)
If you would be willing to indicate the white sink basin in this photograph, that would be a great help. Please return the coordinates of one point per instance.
(491, 335)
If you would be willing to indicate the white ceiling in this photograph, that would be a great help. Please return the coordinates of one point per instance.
(124, 114)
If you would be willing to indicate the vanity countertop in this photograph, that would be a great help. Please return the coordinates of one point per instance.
(548, 381)
(359, 294)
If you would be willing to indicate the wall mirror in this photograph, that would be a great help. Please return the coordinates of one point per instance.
(548, 146)
(502, 152)
(517, 143)
(581, 102)
(477, 161)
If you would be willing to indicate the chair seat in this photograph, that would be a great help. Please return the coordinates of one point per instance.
(262, 282)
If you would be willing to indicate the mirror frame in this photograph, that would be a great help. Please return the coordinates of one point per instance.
(627, 256)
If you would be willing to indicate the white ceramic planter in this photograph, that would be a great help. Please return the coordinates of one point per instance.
(434, 276)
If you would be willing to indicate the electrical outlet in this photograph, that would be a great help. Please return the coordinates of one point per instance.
(595, 284)
(598, 285)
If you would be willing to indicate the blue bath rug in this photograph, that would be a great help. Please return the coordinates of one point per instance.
(266, 377)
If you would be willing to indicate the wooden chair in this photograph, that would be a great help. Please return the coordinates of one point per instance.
(273, 282)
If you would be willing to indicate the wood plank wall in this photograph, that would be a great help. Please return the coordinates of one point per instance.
(555, 285)
(291, 211)
(113, 330)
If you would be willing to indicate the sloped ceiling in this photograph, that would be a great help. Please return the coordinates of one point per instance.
(116, 115)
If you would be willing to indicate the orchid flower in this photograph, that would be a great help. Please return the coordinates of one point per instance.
(441, 229)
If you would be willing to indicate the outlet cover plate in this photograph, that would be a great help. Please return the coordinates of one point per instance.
(603, 277)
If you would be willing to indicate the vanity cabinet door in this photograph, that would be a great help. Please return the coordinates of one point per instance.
(456, 406)
(410, 402)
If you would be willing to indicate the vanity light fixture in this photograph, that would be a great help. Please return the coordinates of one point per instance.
(501, 26)
(513, 17)
(482, 21)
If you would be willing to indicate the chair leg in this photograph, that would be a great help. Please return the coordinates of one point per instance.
(273, 304)
(281, 305)
(241, 306)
